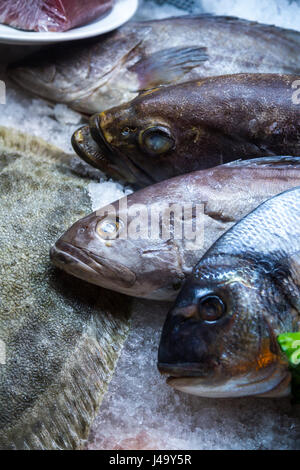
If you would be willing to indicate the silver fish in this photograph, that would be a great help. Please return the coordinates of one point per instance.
(220, 338)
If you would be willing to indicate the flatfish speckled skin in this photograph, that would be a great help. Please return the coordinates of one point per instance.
(60, 338)
(219, 339)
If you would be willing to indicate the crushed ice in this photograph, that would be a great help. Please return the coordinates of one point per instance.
(140, 410)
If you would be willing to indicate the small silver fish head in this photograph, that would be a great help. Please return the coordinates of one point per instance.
(219, 339)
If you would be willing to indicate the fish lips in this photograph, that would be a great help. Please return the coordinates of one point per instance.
(89, 151)
(85, 265)
(182, 370)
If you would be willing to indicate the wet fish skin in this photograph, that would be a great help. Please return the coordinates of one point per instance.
(104, 72)
(60, 338)
(219, 339)
(157, 268)
(173, 130)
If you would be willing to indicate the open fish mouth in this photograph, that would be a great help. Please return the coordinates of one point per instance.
(92, 268)
(189, 378)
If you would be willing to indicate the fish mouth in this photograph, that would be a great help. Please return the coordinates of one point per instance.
(89, 267)
(188, 378)
(181, 376)
(186, 370)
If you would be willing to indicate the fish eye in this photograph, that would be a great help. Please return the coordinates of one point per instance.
(156, 140)
(109, 228)
(211, 308)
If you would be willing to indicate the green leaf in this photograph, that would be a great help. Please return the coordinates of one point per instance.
(290, 345)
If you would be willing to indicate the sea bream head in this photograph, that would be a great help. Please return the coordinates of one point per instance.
(219, 340)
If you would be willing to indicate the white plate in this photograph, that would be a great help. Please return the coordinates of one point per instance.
(121, 12)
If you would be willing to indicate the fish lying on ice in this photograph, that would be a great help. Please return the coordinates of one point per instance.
(103, 72)
(95, 249)
(220, 338)
(173, 130)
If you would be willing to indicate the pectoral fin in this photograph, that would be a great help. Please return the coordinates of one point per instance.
(168, 65)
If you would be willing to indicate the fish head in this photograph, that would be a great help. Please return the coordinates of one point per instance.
(100, 249)
(89, 76)
(150, 139)
(219, 340)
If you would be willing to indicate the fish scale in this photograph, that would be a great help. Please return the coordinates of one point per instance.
(279, 216)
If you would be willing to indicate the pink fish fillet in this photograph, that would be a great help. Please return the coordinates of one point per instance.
(51, 15)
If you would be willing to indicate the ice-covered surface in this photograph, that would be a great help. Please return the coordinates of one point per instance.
(142, 412)
(53, 122)
(150, 9)
(284, 13)
(105, 192)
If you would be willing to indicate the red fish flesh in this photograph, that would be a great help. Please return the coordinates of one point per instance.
(51, 15)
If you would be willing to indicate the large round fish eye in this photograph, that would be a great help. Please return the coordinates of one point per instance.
(156, 140)
(211, 308)
(109, 228)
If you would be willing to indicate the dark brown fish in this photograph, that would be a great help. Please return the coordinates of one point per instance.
(95, 249)
(106, 71)
(220, 338)
(173, 130)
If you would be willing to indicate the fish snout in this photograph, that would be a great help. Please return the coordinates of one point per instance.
(185, 345)
(90, 267)
(63, 254)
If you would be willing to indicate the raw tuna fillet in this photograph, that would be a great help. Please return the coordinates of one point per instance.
(51, 15)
